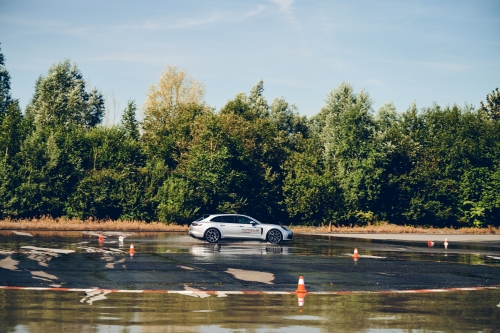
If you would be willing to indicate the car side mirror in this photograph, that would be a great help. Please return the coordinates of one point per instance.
(253, 223)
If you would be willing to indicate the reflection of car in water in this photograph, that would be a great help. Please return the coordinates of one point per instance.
(238, 249)
(214, 227)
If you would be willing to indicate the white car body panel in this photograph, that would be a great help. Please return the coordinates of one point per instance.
(249, 228)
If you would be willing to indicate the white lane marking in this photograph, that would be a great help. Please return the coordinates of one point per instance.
(185, 267)
(44, 275)
(498, 305)
(9, 263)
(43, 279)
(62, 251)
(492, 257)
(6, 252)
(195, 292)
(22, 233)
(42, 257)
(254, 276)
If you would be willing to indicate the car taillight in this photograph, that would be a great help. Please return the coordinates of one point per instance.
(195, 224)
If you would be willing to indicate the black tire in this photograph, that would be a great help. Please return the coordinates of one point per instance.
(274, 236)
(212, 235)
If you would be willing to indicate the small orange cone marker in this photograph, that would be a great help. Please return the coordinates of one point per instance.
(101, 239)
(430, 243)
(301, 288)
(446, 243)
(132, 250)
(355, 255)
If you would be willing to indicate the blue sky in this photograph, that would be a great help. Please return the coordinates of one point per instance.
(405, 51)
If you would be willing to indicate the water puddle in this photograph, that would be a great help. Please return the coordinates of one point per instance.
(101, 311)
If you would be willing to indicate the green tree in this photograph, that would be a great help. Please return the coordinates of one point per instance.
(492, 106)
(170, 109)
(352, 148)
(61, 98)
(49, 166)
(257, 101)
(311, 193)
(129, 122)
(5, 97)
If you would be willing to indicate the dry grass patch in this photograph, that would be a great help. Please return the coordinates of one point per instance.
(62, 224)
(387, 228)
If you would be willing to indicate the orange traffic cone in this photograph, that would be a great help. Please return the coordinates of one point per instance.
(355, 255)
(446, 243)
(430, 243)
(101, 239)
(132, 248)
(301, 288)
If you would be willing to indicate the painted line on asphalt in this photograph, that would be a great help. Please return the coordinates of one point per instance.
(253, 292)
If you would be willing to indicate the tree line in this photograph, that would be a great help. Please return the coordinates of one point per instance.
(348, 164)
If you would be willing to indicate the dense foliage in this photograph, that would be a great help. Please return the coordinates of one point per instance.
(346, 165)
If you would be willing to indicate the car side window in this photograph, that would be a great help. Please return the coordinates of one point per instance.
(217, 219)
(243, 220)
(228, 219)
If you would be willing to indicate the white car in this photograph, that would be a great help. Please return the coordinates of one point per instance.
(214, 227)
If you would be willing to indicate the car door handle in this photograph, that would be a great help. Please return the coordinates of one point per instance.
(222, 225)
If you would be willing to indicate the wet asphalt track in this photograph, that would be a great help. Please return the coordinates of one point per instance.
(174, 261)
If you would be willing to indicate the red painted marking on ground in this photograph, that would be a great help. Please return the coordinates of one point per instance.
(255, 292)
(58, 289)
(155, 291)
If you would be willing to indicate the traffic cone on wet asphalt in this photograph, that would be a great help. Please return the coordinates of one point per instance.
(446, 243)
(132, 250)
(430, 243)
(355, 254)
(101, 239)
(301, 288)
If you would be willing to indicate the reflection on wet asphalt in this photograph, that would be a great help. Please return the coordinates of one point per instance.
(99, 311)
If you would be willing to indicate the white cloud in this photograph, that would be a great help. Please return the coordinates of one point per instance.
(284, 5)
(190, 22)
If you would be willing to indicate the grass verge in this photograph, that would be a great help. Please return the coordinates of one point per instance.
(387, 228)
(62, 224)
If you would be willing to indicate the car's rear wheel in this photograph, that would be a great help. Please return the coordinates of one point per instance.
(274, 236)
(212, 235)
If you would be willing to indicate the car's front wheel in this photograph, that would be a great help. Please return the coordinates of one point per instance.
(212, 235)
(274, 236)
